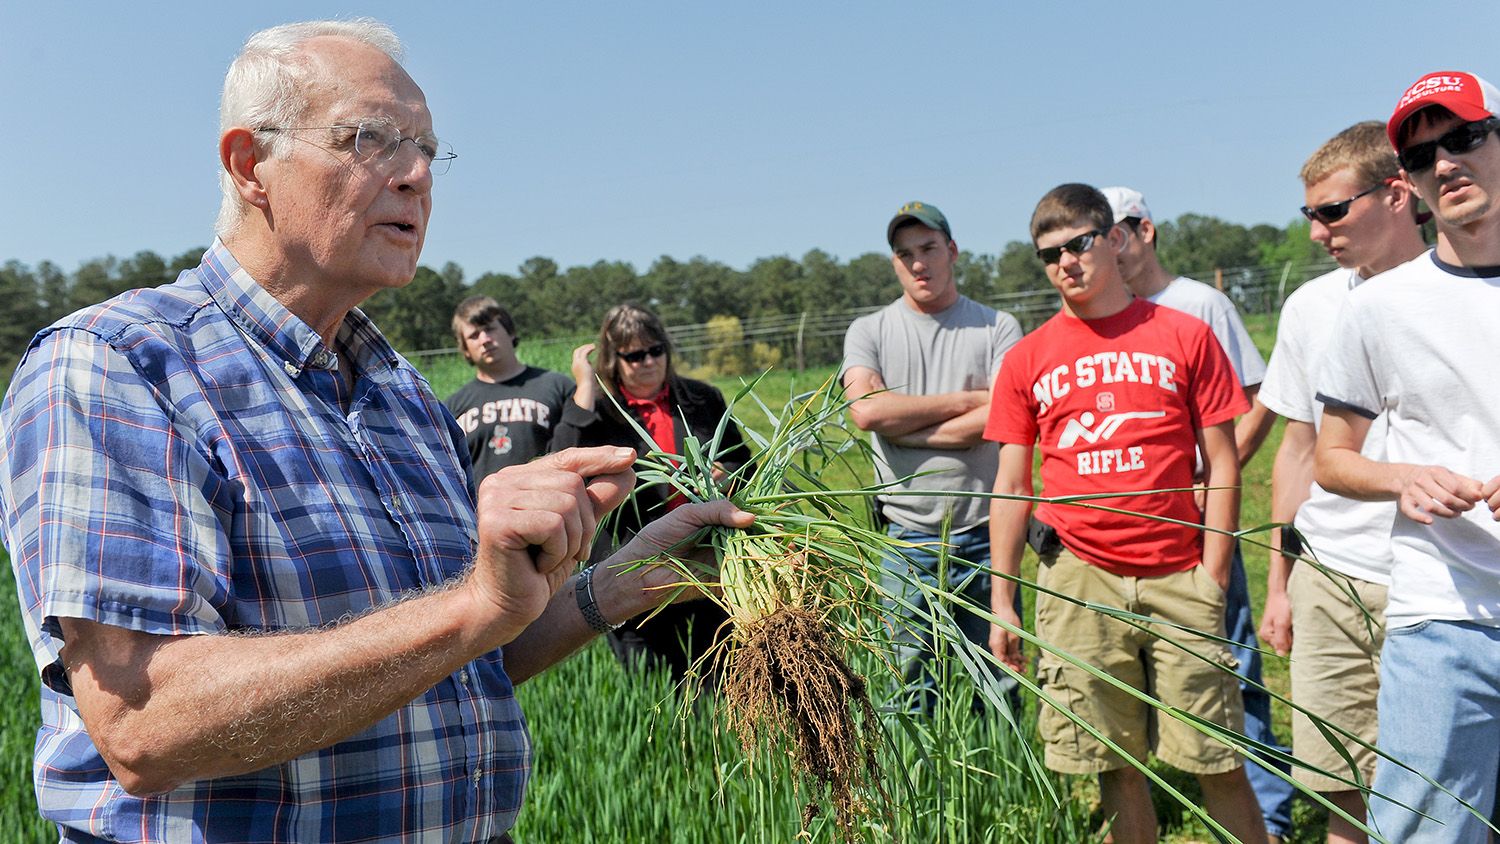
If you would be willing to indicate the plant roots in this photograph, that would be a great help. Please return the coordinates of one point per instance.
(787, 680)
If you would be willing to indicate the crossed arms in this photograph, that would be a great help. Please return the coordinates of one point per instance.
(945, 420)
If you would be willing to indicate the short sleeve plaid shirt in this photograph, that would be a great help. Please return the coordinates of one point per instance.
(187, 460)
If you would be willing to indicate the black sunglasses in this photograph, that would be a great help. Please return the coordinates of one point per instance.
(1461, 139)
(1332, 212)
(1076, 246)
(641, 354)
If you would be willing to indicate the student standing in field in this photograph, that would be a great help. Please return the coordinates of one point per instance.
(1364, 214)
(509, 411)
(1119, 392)
(1415, 346)
(1149, 280)
(920, 370)
(265, 601)
(636, 366)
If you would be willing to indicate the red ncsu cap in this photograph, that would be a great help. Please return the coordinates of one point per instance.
(1464, 94)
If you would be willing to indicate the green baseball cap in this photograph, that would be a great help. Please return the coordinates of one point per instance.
(918, 212)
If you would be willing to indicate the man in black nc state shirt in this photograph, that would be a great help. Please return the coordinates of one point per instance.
(509, 411)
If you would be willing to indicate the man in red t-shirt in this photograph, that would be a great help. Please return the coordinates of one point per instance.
(1119, 393)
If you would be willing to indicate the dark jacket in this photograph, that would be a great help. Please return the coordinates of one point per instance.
(679, 635)
(701, 404)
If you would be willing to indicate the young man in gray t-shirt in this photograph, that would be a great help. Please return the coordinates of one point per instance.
(921, 369)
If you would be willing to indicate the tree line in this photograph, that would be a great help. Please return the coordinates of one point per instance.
(550, 301)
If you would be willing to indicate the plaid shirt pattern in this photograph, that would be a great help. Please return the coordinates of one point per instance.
(187, 460)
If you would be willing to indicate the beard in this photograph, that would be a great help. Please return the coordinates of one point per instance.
(1470, 209)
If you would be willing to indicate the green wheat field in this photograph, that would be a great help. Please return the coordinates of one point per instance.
(618, 761)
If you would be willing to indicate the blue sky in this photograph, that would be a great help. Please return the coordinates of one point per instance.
(627, 131)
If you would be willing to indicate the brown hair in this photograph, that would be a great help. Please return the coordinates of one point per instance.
(1430, 114)
(476, 311)
(1065, 205)
(1362, 149)
(625, 325)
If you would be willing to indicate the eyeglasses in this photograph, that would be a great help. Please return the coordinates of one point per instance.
(639, 355)
(377, 140)
(1332, 212)
(1462, 139)
(1076, 246)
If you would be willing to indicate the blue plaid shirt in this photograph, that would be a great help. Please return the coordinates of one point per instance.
(187, 460)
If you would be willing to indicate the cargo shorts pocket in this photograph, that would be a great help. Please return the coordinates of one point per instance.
(1057, 728)
(1072, 749)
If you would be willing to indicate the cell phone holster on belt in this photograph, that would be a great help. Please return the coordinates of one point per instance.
(1042, 538)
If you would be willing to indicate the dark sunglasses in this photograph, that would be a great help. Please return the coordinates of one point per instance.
(1076, 246)
(1332, 212)
(641, 354)
(1462, 139)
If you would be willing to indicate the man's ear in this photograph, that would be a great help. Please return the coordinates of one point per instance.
(1410, 183)
(1402, 194)
(238, 154)
(1147, 232)
(1117, 237)
(1405, 198)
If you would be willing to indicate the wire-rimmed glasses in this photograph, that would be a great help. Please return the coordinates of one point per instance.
(377, 140)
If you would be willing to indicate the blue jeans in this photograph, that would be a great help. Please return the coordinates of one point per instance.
(1440, 714)
(968, 574)
(1272, 792)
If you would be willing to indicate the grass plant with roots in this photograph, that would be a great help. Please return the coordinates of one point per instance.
(803, 587)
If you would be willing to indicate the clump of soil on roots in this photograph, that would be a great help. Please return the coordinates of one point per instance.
(787, 679)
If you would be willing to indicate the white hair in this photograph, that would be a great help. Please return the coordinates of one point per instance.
(269, 82)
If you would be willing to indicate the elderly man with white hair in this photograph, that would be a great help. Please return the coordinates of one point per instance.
(265, 602)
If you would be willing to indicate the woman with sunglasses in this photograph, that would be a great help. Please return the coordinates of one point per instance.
(633, 364)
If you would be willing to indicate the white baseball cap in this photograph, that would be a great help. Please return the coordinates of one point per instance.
(1126, 202)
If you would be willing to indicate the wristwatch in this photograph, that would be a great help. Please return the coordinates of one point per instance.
(588, 606)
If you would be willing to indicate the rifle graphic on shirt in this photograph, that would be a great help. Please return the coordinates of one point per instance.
(1079, 429)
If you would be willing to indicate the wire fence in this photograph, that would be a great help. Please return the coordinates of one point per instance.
(800, 340)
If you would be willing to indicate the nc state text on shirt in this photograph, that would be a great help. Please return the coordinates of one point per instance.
(1105, 368)
(506, 410)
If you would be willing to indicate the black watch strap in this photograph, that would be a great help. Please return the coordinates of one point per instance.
(588, 606)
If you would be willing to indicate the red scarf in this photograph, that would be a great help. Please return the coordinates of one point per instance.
(655, 415)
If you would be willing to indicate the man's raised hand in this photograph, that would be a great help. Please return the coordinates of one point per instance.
(535, 522)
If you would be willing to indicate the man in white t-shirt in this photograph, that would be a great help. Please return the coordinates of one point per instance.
(1363, 213)
(1416, 346)
(1148, 279)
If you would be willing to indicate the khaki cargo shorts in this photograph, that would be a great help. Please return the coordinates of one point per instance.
(1209, 690)
(1335, 671)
